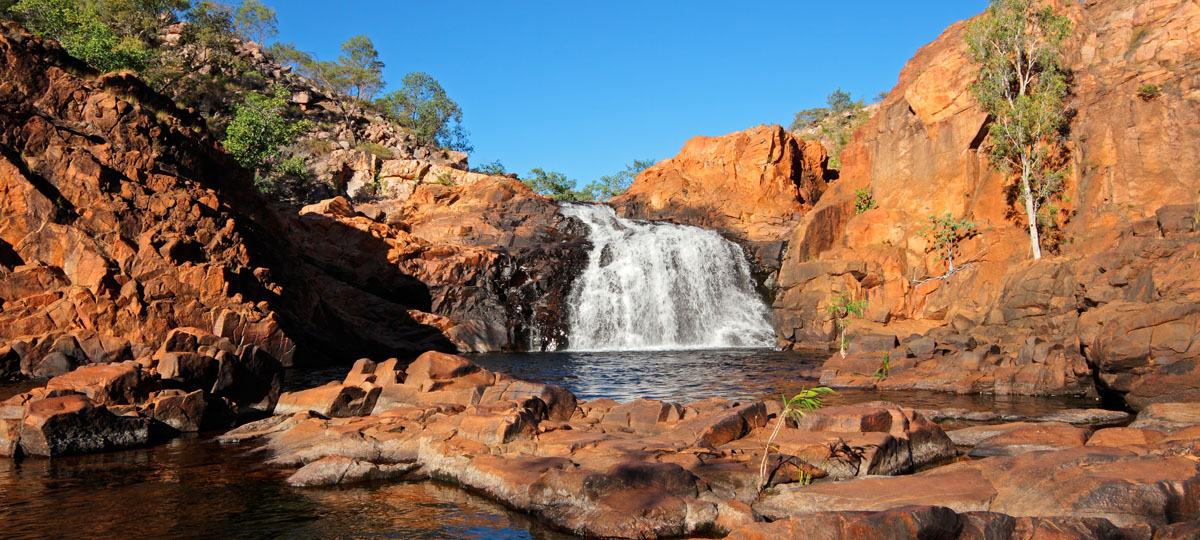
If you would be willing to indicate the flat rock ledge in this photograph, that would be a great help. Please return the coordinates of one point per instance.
(653, 469)
(643, 469)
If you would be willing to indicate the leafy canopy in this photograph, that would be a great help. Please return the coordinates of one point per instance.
(255, 20)
(556, 185)
(609, 186)
(422, 105)
(359, 71)
(1022, 85)
(944, 232)
(493, 168)
(552, 184)
(260, 130)
(78, 27)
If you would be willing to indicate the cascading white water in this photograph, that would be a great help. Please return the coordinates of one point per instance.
(662, 286)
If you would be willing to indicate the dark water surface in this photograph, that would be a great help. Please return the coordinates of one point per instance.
(196, 488)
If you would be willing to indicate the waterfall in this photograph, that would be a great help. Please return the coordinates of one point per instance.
(654, 285)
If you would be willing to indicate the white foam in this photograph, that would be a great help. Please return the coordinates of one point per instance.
(651, 285)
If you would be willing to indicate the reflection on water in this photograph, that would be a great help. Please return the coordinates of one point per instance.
(734, 374)
(199, 489)
(194, 488)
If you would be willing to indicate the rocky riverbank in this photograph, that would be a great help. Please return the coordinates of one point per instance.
(653, 469)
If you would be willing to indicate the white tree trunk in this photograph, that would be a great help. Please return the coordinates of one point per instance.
(1034, 242)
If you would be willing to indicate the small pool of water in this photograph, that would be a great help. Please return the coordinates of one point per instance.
(196, 488)
(733, 374)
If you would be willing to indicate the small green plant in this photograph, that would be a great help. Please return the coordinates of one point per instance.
(944, 232)
(840, 308)
(885, 367)
(863, 200)
(1149, 92)
(796, 407)
(293, 167)
(444, 179)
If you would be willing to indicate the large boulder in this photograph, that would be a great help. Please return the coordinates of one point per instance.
(72, 424)
(114, 384)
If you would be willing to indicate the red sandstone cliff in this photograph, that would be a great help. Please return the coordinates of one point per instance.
(1125, 249)
(753, 186)
(122, 219)
(1016, 326)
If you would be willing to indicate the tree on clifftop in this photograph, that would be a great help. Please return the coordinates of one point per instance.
(360, 71)
(422, 105)
(1022, 85)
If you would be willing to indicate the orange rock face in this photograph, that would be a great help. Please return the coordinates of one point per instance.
(753, 185)
(120, 219)
(1109, 310)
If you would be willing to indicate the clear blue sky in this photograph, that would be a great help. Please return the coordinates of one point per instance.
(584, 87)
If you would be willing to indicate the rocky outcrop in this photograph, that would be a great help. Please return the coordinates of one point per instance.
(643, 469)
(194, 381)
(122, 219)
(353, 150)
(493, 259)
(1112, 302)
(654, 469)
(753, 186)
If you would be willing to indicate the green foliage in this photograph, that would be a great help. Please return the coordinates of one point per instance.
(552, 184)
(840, 308)
(1022, 84)
(885, 367)
(359, 71)
(255, 20)
(138, 19)
(1148, 92)
(863, 200)
(260, 130)
(294, 167)
(494, 168)
(833, 125)
(203, 70)
(607, 187)
(808, 118)
(840, 102)
(78, 27)
(795, 407)
(421, 104)
(444, 179)
(944, 232)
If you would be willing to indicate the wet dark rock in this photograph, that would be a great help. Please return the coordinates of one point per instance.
(67, 425)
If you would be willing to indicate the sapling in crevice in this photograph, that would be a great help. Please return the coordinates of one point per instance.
(840, 308)
(796, 407)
